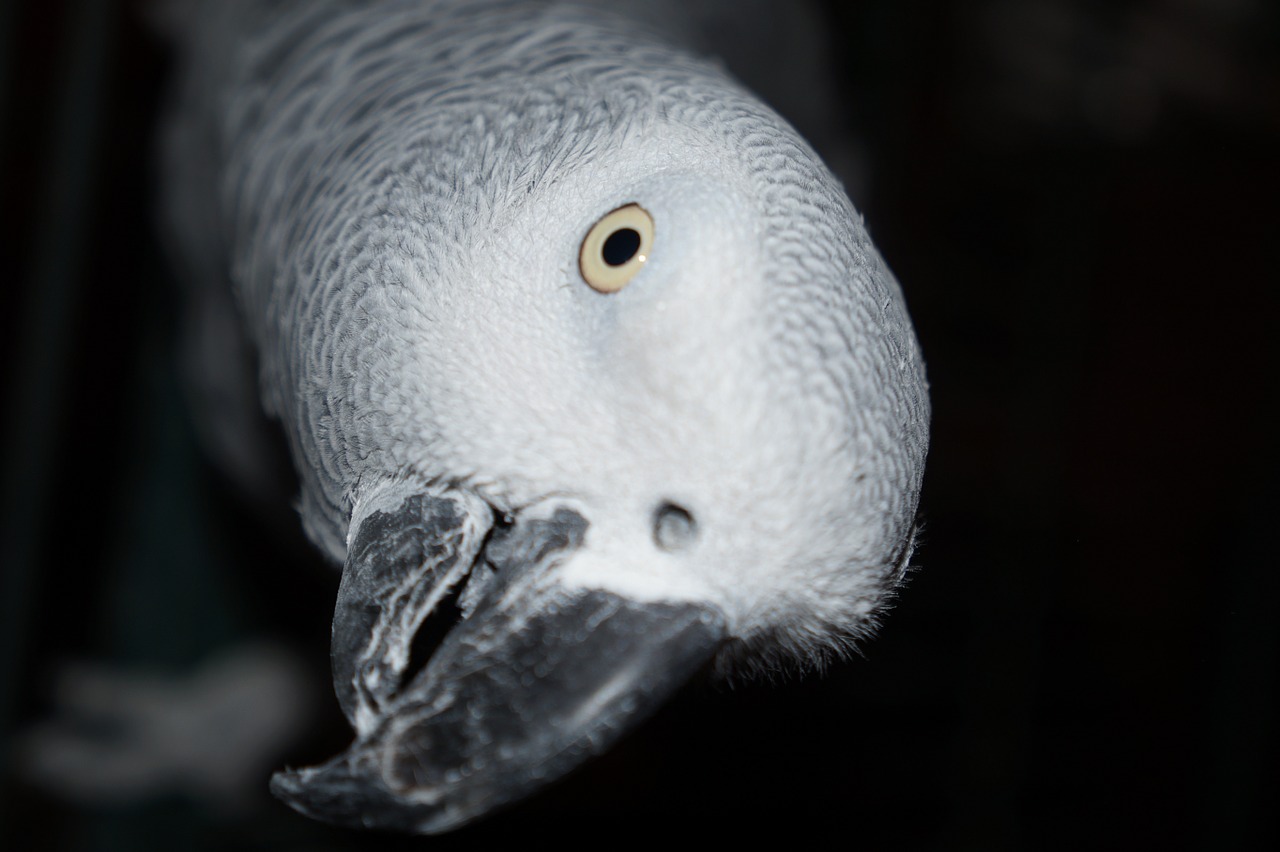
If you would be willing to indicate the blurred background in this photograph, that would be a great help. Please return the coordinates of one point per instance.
(1080, 199)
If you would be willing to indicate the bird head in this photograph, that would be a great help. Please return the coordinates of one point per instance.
(624, 396)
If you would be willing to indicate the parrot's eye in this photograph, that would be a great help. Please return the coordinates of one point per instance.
(615, 248)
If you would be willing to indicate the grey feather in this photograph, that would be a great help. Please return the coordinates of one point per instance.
(397, 192)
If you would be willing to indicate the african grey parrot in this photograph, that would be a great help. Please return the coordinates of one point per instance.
(575, 343)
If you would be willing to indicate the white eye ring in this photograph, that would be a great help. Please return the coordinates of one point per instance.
(615, 248)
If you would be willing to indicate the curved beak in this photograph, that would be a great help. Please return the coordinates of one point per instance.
(534, 679)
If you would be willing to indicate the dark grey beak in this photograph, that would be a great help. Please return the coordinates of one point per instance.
(534, 679)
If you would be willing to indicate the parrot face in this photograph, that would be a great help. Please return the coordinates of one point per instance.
(588, 366)
(690, 453)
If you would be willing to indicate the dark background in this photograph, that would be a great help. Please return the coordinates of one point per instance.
(1080, 199)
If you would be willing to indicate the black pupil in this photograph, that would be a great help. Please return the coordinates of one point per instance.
(620, 246)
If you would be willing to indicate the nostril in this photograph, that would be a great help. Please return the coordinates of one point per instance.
(673, 527)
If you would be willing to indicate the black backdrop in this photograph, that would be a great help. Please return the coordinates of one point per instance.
(1080, 201)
